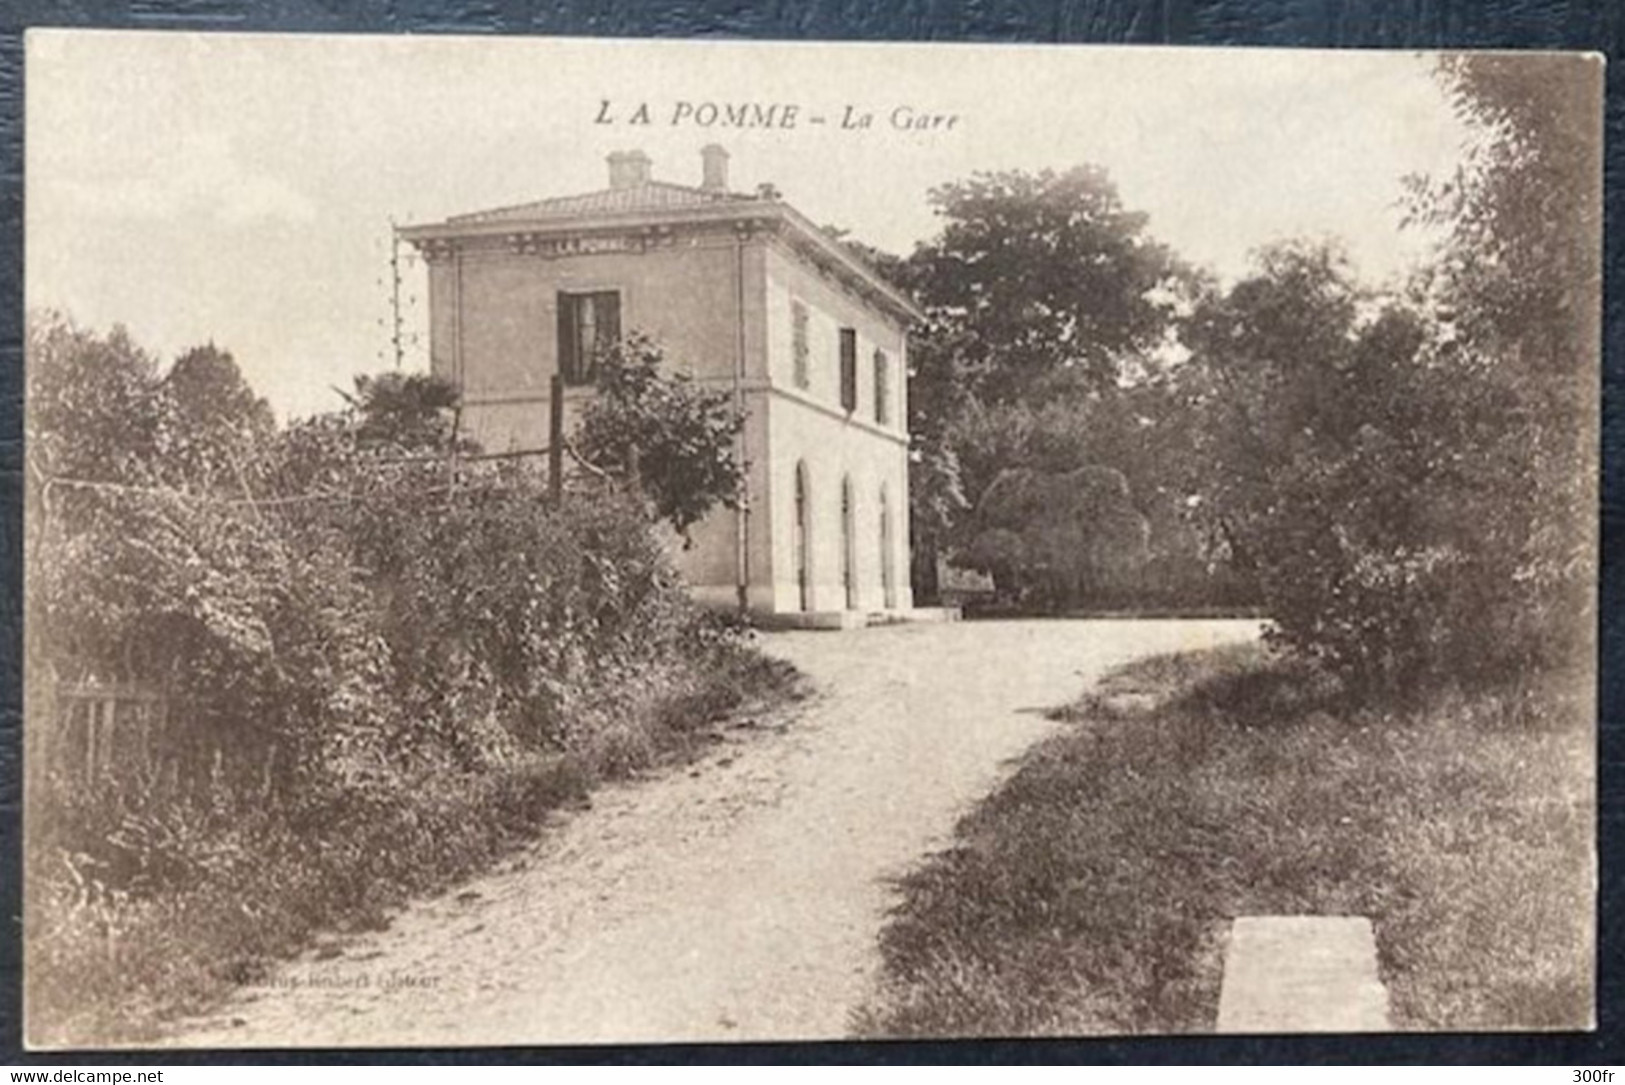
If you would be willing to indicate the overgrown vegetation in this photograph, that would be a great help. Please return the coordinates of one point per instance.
(1052, 320)
(1406, 478)
(671, 437)
(393, 657)
(397, 653)
(1058, 539)
(1411, 477)
(1092, 893)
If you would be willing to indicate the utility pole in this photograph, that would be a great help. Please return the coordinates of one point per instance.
(396, 323)
(555, 439)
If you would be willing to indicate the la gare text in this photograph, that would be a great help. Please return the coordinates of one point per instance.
(780, 115)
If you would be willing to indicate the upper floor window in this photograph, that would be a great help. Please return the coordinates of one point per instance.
(882, 388)
(800, 352)
(849, 368)
(588, 324)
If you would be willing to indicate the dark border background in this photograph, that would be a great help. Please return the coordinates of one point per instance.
(1595, 25)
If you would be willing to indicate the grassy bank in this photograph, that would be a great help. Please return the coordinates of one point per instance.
(109, 967)
(1092, 892)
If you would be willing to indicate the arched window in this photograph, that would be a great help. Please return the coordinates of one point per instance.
(888, 579)
(848, 573)
(803, 537)
(882, 388)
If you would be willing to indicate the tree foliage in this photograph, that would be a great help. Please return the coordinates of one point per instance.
(217, 422)
(361, 609)
(150, 558)
(1404, 474)
(1041, 275)
(94, 408)
(407, 412)
(1144, 432)
(1324, 463)
(1413, 478)
(1517, 287)
(1058, 539)
(1041, 291)
(391, 664)
(936, 498)
(673, 438)
(100, 409)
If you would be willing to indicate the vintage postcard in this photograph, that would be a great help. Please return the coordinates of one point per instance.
(544, 541)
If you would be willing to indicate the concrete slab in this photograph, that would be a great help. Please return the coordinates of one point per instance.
(1299, 973)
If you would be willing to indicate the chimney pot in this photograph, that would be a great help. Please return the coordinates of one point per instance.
(713, 168)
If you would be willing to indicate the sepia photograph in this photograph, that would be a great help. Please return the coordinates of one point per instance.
(559, 541)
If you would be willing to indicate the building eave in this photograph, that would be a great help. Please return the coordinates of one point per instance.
(852, 265)
(740, 214)
(551, 226)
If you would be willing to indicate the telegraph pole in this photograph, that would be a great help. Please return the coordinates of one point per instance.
(396, 322)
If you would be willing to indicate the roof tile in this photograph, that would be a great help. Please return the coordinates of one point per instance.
(650, 196)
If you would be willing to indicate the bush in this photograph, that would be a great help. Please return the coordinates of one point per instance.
(400, 660)
(496, 606)
(1343, 447)
(1413, 479)
(1058, 539)
(672, 439)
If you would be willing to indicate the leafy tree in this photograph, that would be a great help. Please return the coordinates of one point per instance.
(1517, 288)
(936, 498)
(1341, 470)
(1144, 431)
(137, 572)
(674, 439)
(1036, 275)
(1041, 289)
(214, 420)
(410, 412)
(94, 408)
(209, 391)
(100, 411)
(937, 395)
(94, 427)
(1058, 538)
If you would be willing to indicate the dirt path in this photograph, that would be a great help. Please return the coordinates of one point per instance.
(737, 899)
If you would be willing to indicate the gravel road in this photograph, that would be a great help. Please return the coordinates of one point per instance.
(737, 898)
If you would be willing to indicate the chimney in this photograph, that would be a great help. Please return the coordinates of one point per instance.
(628, 169)
(713, 168)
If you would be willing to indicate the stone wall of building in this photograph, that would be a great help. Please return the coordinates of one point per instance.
(494, 332)
(494, 322)
(811, 432)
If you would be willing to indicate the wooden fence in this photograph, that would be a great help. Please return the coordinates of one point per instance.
(137, 735)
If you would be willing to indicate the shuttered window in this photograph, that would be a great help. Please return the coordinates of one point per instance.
(882, 388)
(849, 368)
(800, 351)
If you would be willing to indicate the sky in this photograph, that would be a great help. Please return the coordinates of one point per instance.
(239, 189)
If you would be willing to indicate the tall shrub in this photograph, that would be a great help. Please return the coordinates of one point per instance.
(1517, 288)
(673, 439)
(1325, 468)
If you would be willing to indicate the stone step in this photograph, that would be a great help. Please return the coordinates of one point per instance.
(1299, 973)
(852, 619)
